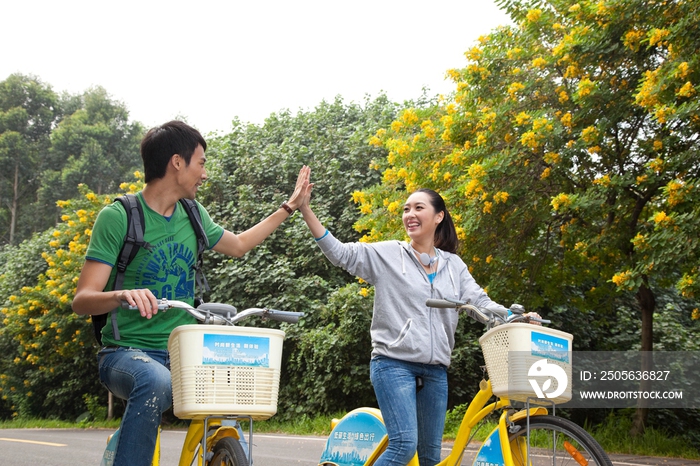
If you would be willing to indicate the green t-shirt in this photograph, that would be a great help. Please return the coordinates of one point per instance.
(167, 269)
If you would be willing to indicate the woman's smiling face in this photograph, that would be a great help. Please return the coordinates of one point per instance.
(419, 217)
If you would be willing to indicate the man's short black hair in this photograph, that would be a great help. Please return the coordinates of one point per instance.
(162, 142)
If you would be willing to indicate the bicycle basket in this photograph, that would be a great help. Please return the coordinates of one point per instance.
(521, 358)
(225, 370)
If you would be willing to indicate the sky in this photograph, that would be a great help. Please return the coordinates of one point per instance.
(212, 61)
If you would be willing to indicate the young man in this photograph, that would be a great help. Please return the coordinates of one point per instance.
(133, 364)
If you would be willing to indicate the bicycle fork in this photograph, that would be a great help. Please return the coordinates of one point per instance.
(497, 447)
(198, 443)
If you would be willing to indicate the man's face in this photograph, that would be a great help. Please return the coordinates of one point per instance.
(193, 175)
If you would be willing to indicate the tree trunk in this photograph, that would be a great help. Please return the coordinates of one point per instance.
(15, 203)
(647, 305)
(110, 406)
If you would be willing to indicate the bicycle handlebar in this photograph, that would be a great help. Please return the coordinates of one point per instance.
(223, 314)
(488, 316)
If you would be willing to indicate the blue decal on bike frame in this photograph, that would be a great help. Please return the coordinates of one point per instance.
(354, 438)
(490, 453)
(549, 346)
(236, 350)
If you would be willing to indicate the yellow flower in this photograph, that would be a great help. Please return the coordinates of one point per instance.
(539, 62)
(658, 145)
(500, 197)
(364, 292)
(621, 278)
(639, 241)
(560, 200)
(589, 134)
(660, 218)
(603, 180)
(534, 15)
(572, 71)
(545, 173)
(552, 158)
(541, 123)
(409, 116)
(529, 139)
(687, 90)
(473, 54)
(566, 120)
(657, 35)
(632, 39)
(522, 118)
(656, 165)
(585, 86)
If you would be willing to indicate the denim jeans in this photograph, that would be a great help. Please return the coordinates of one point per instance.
(142, 377)
(414, 419)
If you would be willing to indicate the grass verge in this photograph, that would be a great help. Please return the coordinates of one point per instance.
(613, 435)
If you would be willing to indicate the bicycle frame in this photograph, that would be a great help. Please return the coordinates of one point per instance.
(477, 410)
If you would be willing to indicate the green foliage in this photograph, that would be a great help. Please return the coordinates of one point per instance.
(28, 109)
(50, 360)
(94, 144)
(662, 441)
(329, 367)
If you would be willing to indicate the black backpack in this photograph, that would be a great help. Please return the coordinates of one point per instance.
(133, 240)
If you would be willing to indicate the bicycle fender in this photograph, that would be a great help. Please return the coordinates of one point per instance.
(221, 432)
(538, 411)
(355, 438)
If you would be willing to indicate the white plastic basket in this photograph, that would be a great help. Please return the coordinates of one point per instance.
(225, 370)
(514, 355)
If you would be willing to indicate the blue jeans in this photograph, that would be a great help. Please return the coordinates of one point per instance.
(414, 419)
(142, 377)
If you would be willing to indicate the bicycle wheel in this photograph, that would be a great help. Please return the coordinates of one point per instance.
(555, 441)
(228, 452)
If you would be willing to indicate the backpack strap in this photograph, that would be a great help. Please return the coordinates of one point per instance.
(195, 217)
(133, 240)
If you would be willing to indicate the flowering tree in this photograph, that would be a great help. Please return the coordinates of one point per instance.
(568, 155)
(50, 355)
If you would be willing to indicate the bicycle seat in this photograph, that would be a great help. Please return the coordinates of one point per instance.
(221, 309)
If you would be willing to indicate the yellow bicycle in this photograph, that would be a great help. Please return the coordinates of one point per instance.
(221, 374)
(513, 351)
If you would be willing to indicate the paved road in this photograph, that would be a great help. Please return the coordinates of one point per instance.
(71, 447)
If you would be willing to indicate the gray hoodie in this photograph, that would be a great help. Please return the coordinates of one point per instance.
(403, 327)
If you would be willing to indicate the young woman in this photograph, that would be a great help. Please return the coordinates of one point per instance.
(410, 341)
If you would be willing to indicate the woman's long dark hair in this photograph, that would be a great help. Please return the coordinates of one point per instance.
(445, 234)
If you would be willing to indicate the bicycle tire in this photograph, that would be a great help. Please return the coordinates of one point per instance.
(228, 452)
(542, 451)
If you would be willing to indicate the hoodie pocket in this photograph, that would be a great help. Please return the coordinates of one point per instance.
(402, 335)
